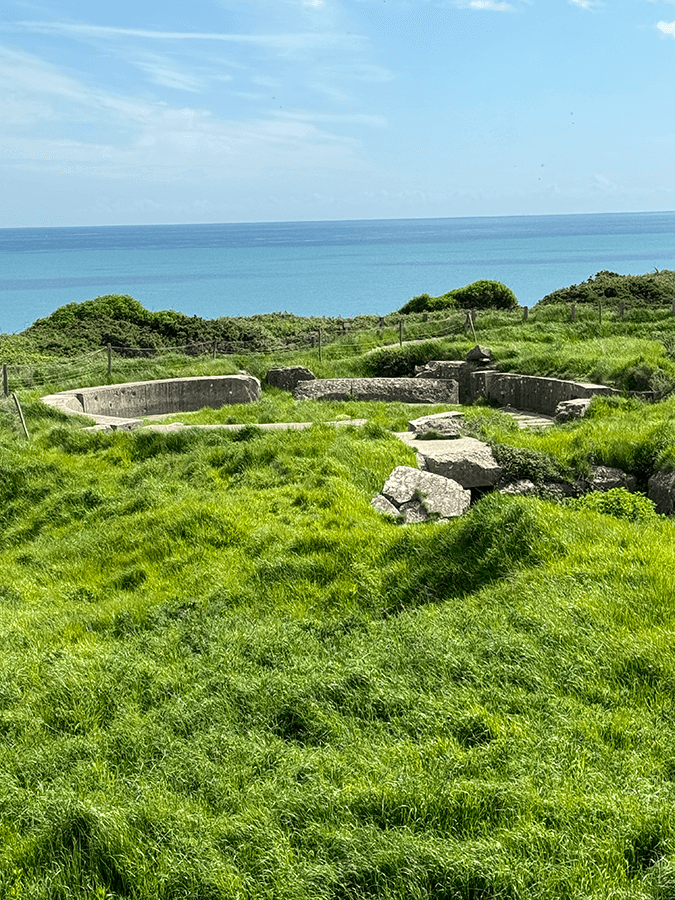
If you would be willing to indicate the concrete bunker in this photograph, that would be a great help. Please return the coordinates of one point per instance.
(124, 405)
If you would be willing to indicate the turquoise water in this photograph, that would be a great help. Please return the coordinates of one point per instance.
(318, 268)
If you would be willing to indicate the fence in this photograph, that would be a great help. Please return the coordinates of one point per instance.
(342, 341)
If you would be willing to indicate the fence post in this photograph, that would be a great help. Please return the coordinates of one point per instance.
(574, 312)
(380, 324)
(600, 313)
(467, 323)
(425, 317)
(622, 308)
(312, 338)
(525, 313)
(400, 332)
(5, 380)
(109, 348)
(320, 342)
(20, 412)
(215, 347)
(674, 307)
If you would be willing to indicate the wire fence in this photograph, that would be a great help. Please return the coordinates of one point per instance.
(112, 361)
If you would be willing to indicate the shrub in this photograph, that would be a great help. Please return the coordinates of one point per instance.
(400, 362)
(617, 502)
(481, 294)
(654, 288)
(485, 294)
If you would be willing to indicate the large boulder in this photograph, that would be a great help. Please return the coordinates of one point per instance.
(467, 461)
(604, 478)
(402, 390)
(419, 495)
(572, 409)
(288, 377)
(447, 424)
(479, 354)
(661, 490)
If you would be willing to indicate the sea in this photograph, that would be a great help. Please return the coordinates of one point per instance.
(340, 268)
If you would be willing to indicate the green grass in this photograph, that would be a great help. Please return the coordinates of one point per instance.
(223, 675)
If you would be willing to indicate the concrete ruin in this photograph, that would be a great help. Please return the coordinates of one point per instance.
(123, 406)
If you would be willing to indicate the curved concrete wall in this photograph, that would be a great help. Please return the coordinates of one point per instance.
(127, 402)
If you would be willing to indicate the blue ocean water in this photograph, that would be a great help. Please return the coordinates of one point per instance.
(318, 268)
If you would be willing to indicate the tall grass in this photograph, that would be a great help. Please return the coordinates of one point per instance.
(223, 675)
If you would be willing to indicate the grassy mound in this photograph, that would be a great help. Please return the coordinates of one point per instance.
(224, 675)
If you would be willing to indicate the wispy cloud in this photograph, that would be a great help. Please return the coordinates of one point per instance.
(485, 4)
(163, 142)
(667, 28)
(164, 72)
(286, 41)
(585, 4)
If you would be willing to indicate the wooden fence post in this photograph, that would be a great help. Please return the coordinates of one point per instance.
(467, 323)
(400, 333)
(5, 380)
(425, 317)
(380, 324)
(574, 312)
(109, 359)
(215, 347)
(320, 354)
(622, 308)
(20, 412)
(674, 307)
(525, 313)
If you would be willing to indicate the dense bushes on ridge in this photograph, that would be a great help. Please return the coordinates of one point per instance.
(653, 288)
(482, 294)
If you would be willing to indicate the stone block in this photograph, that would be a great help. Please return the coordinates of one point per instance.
(467, 461)
(406, 488)
(448, 424)
(382, 505)
(479, 354)
(572, 409)
(661, 490)
(604, 478)
(402, 390)
(523, 487)
(288, 377)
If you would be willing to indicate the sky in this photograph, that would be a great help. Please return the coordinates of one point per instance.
(282, 110)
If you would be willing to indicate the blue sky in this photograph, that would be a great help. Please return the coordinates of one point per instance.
(263, 110)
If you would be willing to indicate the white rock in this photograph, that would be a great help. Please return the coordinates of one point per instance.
(467, 461)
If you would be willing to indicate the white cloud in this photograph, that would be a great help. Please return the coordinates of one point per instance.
(288, 41)
(485, 4)
(151, 139)
(667, 28)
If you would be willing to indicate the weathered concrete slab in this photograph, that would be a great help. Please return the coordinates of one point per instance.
(402, 390)
(467, 461)
(382, 505)
(572, 409)
(530, 392)
(407, 488)
(288, 377)
(161, 397)
(166, 427)
(448, 424)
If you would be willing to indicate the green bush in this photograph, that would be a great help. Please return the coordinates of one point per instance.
(400, 362)
(652, 289)
(485, 294)
(617, 502)
(481, 294)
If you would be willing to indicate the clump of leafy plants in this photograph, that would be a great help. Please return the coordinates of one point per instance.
(482, 294)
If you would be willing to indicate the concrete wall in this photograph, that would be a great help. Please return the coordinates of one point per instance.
(402, 390)
(161, 397)
(529, 392)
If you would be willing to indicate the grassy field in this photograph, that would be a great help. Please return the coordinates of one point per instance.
(225, 676)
